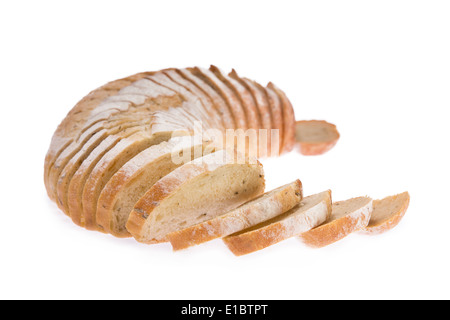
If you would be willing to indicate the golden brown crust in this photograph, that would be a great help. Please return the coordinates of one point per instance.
(338, 229)
(280, 201)
(398, 205)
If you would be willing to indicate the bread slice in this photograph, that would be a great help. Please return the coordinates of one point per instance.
(387, 213)
(315, 137)
(346, 217)
(193, 193)
(311, 212)
(263, 208)
(288, 118)
(137, 176)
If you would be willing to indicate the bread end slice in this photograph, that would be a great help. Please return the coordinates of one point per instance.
(387, 213)
(261, 209)
(315, 137)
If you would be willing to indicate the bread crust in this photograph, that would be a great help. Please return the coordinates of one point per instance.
(396, 214)
(268, 235)
(309, 148)
(260, 210)
(336, 230)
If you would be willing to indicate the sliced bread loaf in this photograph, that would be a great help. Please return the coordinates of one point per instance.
(346, 217)
(263, 208)
(193, 193)
(311, 212)
(387, 213)
(137, 176)
(315, 137)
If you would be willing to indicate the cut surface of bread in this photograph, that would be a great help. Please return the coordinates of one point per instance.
(193, 193)
(315, 137)
(311, 212)
(137, 176)
(387, 213)
(263, 208)
(346, 217)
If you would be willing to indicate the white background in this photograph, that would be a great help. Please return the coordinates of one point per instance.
(380, 70)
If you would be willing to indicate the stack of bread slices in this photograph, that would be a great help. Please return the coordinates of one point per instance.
(129, 160)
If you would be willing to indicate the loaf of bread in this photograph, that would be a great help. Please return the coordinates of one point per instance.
(124, 119)
(111, 165)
